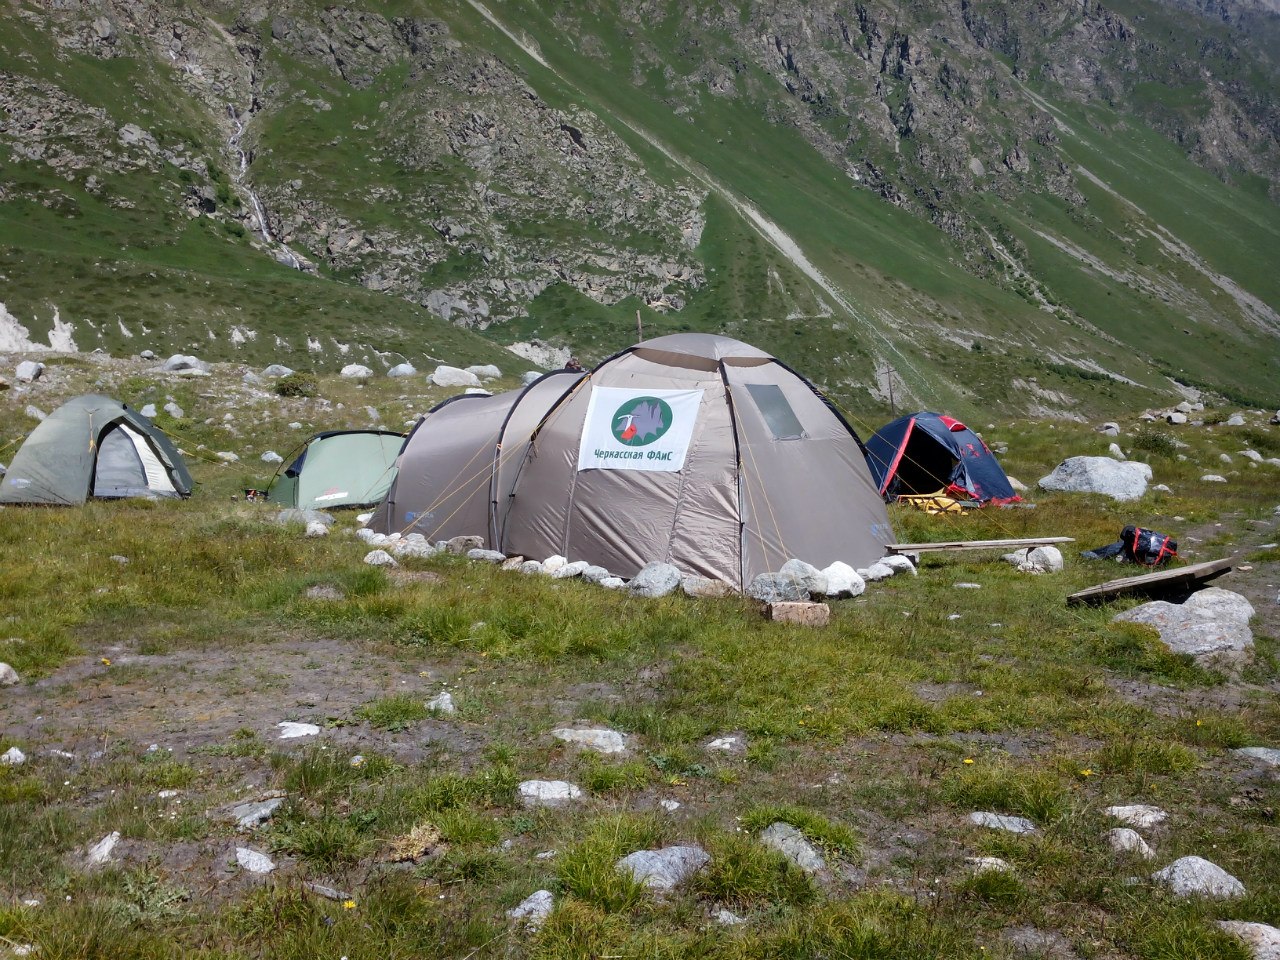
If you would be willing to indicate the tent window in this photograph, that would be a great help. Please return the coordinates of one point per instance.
(778, 415)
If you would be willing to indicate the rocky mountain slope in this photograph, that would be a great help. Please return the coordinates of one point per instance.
(1048, 207)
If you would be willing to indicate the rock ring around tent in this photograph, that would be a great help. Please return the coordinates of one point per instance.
(692, 449)
(339, 468)
(94, 446)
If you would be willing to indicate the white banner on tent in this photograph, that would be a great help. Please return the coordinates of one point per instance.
(628, 429)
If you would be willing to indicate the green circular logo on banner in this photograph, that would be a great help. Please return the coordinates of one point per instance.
(639, 422)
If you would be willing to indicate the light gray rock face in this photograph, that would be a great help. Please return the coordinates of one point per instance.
(254, 813)
(402, 370)
(190, 366)
(1126, 840)
(655, 580)
(1111, 478)
(8, 675)
(843, 581)
(355, 371)
(705, 587)
(1038, 560)
(665, 868)
(1262, 940)
(486, 371)
(599, 739)
(1212, 622)
(28, 371)
(791, 843)
(1141, 815)
(446, 376)
(1268, 755)
(1198, 877)
(809, 578)
(253, 861)
(487, 556)
(380, 558)
(277, 370)
(533, 910)
(776, 588)
(548, 793)
(570, 570)
(1000, 821)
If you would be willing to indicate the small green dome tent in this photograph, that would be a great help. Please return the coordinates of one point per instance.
(340, 468)
(94, 446)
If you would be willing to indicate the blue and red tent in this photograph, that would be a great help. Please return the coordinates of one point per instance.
(924, 453)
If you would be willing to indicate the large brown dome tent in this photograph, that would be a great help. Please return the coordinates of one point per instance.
(700, 451)
(460, 460)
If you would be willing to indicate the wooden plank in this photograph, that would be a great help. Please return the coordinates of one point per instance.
(1179, 579)
(958, 545)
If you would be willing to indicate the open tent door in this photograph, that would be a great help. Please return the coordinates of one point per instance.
(128, 467)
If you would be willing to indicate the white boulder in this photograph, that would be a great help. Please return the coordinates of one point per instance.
(1198, 877)
(1111, 478)
(446, 376)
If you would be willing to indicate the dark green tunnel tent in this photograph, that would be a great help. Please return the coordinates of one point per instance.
(339, 468)
(94, 446)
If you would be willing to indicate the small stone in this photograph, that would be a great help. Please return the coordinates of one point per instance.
(380, 558)
(553, 563)
(485, 371)
(808, 577)
(570, 570)
(533, 567)
(402, 370)
(876, 572)
(442, 703)
(791, 843)
(1038, 560)
(599, 739)
(276, 370)
(446, 376)
(28, 371)
(705, 587)
(665, 868)
(1110, 429)
(253, 861)
(985, 864)
(271, 457)
(511, 563)
(35, 413)
(594, 574)
(843, 581)
(291, 730)
(13, 757)
(100, 852)
(149, 411)
(315, 529)
(355, 371)
(801, 612)
(173, 410)
(1141, 815)
(1213, 478)
(1262, 939)
(776, 588)
(548, 793)
(226, 456)
(1115, 452)
(533, 911)
(530, 376)
(1125, 840)
(254, 813)
(185, 366)
(999, 821)
(328, 893)
(1177, 418)
(1197, 877)
(726, 918)
(968, 586)
(727, 744)
(461, 546)
(8, 675)
(900, 564)
(671, 806)
(487, 556)
(613, 583)
(655, 580)
(1235, 420)
(1268, 755)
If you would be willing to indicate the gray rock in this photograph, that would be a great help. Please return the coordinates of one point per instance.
(276, 370)
(1038, 560)
(776, 588)
(485, 371)
(35, 413)
(1197, 877)
(529, 376)
(355, 371)
(293, 729)
(533, 911)
(173, 410)
(1235, 420)
(488, 556)
(1225, 458)
(999, 821)
(554, 563)
(1213, 478)
(407, 548)
(315, 530)
(1211, 622)
(1040, 944)
(1115, 452)
(727, 918)
(1176, 417)
(613, 583)
(1252, 455)
(271, 457)
(380, 558)
(28, 371)
(190, 366)
(8, 675)
(985, 864)
(328, 893)
(810, 579)
(461, 546)
(402, 370)
(1185, 407)
(254, 813)
(1126, 840)
(570, 570)
(100, 852)
(599, 739)
(1268, 755)
(442, 703)
(1141, 815)
(655, 580)
(705, 587)
(791, 843)
(1262, 939)
(446, 376)
(967, 586)
(899, 564)
(1120, 481)
(149, 411)
(665, 868)
(533, 566)
(293, 515)
(594, 574)
(877, 571)
(13, 757)
(253, 861)
(548, 793)
(1110, 429)
(228, 457)
(843, 581)
(147, 355)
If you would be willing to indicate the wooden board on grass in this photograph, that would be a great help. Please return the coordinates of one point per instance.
(1177, 580)
(959, 545)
